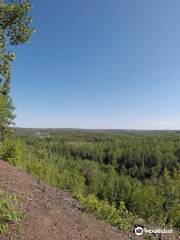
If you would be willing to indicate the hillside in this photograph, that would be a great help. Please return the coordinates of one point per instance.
(53, 214)
(50, 213)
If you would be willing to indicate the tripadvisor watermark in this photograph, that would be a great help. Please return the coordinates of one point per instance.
(140, 231)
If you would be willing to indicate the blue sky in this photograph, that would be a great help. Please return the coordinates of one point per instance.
(100, 64)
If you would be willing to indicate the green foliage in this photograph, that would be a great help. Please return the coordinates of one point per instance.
(15, 28)
(171, 198)
(44, 171)
(8, 213)
(147, 202)
(6, 115)
(16, 20)
(71, 181)
(120, 218)
(70, 161)
(13, 152)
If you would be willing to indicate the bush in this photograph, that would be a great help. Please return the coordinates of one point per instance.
(13, 151)
(71, 180)
(120, 218)
(8, 213)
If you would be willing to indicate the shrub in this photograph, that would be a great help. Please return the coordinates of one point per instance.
(120, 218)
(13, 151)
(8, 212)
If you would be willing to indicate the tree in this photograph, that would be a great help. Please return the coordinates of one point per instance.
(15, 29)
(6, 115)
(171, 195)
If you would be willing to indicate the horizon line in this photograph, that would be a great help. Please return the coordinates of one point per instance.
(100, 129)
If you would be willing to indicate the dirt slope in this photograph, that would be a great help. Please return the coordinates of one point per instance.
(50, 213)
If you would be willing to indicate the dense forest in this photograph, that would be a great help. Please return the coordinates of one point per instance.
(137, 171)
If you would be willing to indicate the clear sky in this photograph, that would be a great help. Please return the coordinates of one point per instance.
(100, 64)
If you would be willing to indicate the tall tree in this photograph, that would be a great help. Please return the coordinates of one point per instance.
(15, 28)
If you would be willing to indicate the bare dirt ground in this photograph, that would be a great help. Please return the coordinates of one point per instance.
(51, 214)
